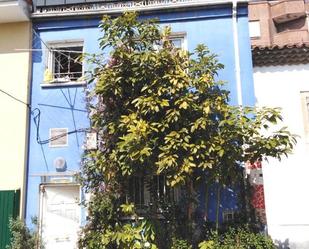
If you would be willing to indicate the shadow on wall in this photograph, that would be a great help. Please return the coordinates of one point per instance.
(283, 244)
(15, 37)
(288, 244)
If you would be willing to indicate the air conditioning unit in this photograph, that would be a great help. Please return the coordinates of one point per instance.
(60, 164)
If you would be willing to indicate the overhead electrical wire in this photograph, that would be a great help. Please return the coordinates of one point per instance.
(11, 96)
(60, 51)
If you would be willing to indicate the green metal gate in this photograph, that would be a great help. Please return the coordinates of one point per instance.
(9, 207)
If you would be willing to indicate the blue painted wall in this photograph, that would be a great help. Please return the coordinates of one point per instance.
(65, 107)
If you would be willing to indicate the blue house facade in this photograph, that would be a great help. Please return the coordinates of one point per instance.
(63, 30)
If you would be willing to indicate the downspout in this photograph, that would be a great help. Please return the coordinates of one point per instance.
(236, 53)
(239, 91)
(27, 131)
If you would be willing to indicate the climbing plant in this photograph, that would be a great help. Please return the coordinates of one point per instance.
(164, 125)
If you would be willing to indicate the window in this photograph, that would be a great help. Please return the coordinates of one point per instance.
(58, 137)
(228, 216)
(144, 192)
(178, 40)
(254, 29)
(63, 63)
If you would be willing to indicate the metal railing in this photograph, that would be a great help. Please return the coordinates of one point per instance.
(42, 3)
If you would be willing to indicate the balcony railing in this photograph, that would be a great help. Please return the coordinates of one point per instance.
(50, 8)
(41, 3)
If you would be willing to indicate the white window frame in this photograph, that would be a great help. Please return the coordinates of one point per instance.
(255, 29)
(226, 213)
(176, 35)
(182, 36)
(52, 46)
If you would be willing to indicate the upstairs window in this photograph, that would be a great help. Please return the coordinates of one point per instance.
(63, 62)
(179, 40)
(254, 29)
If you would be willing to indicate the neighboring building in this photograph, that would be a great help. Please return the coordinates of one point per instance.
(280, 50)
(61, 32)
(15, 39)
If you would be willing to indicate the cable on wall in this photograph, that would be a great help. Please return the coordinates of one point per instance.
(36, 112)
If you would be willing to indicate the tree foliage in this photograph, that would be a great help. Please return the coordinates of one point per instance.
(240, 238)
(22, 236)
(160, 110)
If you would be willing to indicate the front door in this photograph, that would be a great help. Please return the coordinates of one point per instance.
(60, 216)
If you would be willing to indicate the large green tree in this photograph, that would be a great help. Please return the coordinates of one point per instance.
(159, 111)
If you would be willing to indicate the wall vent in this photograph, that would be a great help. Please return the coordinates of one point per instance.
(58, 137)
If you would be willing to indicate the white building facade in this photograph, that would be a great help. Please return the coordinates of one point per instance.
(282, 80)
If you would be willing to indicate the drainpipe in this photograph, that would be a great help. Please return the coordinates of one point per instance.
(236, 53)
(239, 92)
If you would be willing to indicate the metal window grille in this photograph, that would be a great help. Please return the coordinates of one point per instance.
(66, 66)
(143, 192)
(228, 216)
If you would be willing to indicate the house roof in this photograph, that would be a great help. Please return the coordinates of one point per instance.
(288, 54)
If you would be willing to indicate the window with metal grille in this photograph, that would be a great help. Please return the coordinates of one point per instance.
(143, 191)
(63, 61)
(228, 216)
(66, 64)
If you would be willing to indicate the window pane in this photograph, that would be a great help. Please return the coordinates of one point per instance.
(66, 66)
(177, 42)
(254, 29)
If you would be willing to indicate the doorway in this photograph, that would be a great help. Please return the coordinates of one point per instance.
(59, 215)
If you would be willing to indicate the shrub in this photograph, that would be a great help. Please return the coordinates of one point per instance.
(22, 236)
(180, 244)
(238, 238)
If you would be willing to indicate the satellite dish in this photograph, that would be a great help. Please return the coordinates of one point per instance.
(60, 164)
